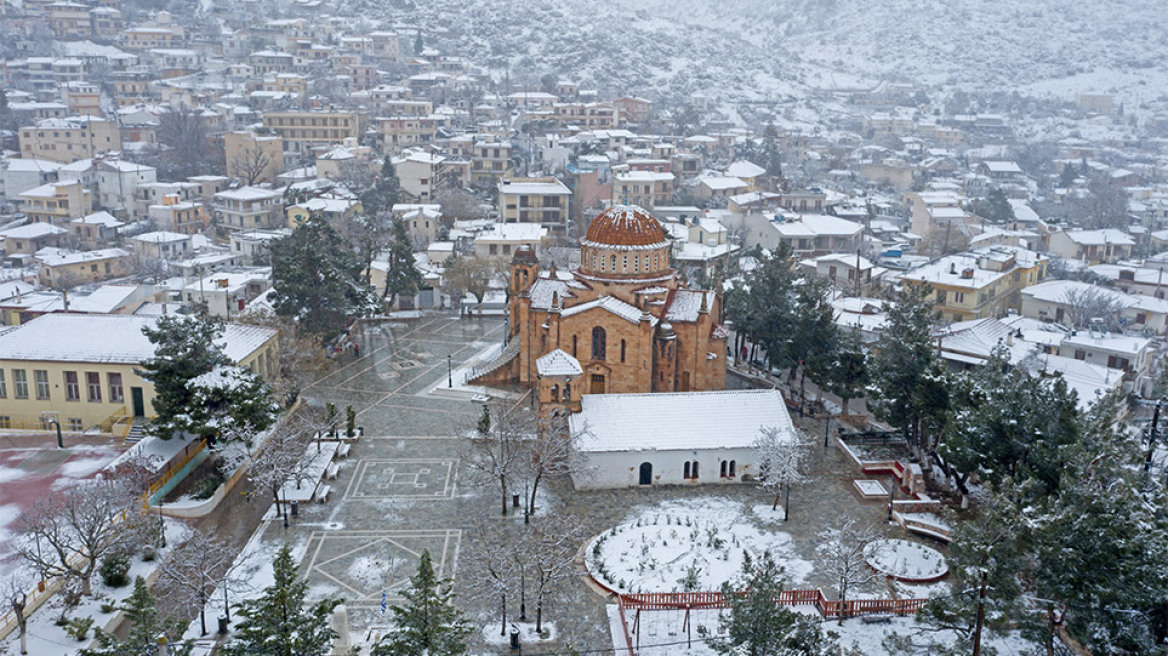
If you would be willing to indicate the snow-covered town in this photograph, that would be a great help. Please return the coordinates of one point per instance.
(472, 327)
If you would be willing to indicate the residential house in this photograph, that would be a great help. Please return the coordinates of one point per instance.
(505, 238)
(117, 183)
(981, 283)
(248, 208)
(1066, 302)
(64, 268)
(420, 173)
(31, 237)
(228, 292)
(647, 189)
(162, 245)
(56, 202)
(95, 229)
(1103, 246)
(70, 139)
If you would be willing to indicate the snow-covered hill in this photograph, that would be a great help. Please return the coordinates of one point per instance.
(784, 49)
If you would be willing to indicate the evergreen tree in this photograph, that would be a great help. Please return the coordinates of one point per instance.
(384, 193)
(848, 375)
(1012, 425)
(185, 347)
(419, 46)
(402, 278)
(757, 625)
(228, 403)
(994, 207)
(814, 339)
(146, 627)
(428, 623)
(767, 313)
(278, 623)
(772, 159)
(317, 279)
(1067, 177)
(903, 355)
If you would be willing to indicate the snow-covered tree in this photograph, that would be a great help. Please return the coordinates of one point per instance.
(317, 279)
(71, 531)
(495, 458)
(228, 403)
(547, 554)
(184, 348)
(428, 623)
(492, 566)
(147, 626)
(16, 588)
(782, 455)
(902, 356)
(278, 622)
(192, 572)
(755, 624)
(402, 278)
(842, 558)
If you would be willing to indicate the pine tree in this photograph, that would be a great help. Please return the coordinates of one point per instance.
(766, 314)
(848, 376)
(383, 194)
(278, 623)
(146, 627)
(428, 623)
(772, 159)
(814, 339)
(903, 355)
(419, 46)
(402, 278)
(317, 279)
(1067, 177)
(184, 348)
(757, 625)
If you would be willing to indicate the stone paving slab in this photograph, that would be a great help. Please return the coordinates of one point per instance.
(388, 478)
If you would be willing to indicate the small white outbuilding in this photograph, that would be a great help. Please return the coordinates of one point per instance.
(630, 440)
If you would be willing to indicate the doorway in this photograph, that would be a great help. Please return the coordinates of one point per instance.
(646, 474)
(138, 401)
(597, 384)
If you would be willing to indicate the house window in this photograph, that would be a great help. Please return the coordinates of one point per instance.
(1080, 354)
(5, 422)
(93, 385)
(690, 470)
(115, 388)
(72, 390)
(75, 424)
(41, 377)
(599, 347)
(555, 392)
(958, 297)
(3, 386)
(20, 382)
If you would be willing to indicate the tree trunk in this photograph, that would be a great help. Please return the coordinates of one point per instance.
(778, 495)
(203, 620)
(787, 503)
(539, 614)
(843, 610)
(534, 487)
(503, 487)
(503, 614)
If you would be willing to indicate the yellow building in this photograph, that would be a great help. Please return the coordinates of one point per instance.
(82, 367)
(303, 131)
(70, 268)
(979, 284)
(253, 158)
(70, 139)
(56, 202)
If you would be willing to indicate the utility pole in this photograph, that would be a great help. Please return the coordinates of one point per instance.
(1152, 436)
(981, 598)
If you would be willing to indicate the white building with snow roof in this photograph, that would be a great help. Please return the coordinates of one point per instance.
(681, 438)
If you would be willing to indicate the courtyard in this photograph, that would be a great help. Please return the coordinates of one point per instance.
(401, 489)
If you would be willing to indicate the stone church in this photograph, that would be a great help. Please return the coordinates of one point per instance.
(622, 323)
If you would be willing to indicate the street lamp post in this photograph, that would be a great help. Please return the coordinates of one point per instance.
(891, 496)
(60, 442)
(285, 508)
(449, 372)
(826, 431)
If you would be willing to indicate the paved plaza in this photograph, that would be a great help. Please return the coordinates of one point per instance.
(401, 489)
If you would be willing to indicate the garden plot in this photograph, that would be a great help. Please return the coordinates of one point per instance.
(686, 547)
(906, 561)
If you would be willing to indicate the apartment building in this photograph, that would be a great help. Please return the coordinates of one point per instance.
(303, 131)
(645, 188)
(249, 208)
(545, 201)
(64, 268)
(56, 202)
(395, 133)
(70, 139)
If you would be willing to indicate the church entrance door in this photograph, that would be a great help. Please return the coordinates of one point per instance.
(646, 474)
(597, 384)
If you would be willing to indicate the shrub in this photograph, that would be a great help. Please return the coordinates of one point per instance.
(78, 628)
(109, 607)
(205, 488)
(115, 570)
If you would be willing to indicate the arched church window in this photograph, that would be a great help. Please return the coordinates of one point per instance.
(555, 392)
(622, 350)
(598, 343)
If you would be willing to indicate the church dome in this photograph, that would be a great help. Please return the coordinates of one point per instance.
(625, 226)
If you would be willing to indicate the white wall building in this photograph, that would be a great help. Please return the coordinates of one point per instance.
(683, 438)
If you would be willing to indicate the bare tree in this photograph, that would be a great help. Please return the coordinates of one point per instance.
(1086, 304)
(498, 444)
(842, 554)
(473, 275)
(190, 574)
(280, 459)
(1104, 206)
(782, 454)
(186, 149)
(250, 165)
(300, 356)
(547, 552)
(491, 561)
(149, 266)
(552, 453)
(71, 531)
(460, 204)
(16, 590)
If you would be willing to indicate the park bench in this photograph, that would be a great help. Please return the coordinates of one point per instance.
(343, 451)
(323, 492)
(330, 472)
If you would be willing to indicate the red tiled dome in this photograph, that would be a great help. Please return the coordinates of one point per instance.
(625, 225)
